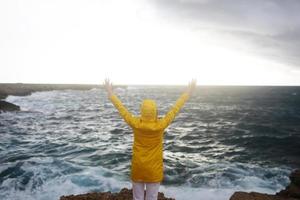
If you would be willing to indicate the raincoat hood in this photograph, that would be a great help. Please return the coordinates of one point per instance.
(148, 110)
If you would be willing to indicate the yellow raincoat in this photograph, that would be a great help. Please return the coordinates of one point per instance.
(148, 130)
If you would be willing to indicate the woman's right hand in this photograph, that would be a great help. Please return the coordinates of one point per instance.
(191, 87)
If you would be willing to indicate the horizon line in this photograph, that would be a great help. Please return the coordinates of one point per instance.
(171, 85)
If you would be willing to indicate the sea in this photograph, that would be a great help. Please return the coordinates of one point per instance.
(225, 139)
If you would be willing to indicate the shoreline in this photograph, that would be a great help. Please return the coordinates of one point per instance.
(291, 192)
(20, 89)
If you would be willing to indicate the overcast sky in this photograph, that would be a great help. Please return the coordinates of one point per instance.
(235, 42)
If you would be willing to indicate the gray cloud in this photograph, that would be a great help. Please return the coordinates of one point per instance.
(271, 28)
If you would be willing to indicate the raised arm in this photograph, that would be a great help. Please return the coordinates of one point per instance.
(169, 117)
(125, 114)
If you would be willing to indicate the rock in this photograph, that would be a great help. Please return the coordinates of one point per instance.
(295, 177)
(124, 194)
(6, 106)
(257, 196)
(293, 189)
(291, 192)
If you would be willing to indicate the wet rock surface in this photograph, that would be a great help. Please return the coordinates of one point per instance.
(6, 106)
(293, 189)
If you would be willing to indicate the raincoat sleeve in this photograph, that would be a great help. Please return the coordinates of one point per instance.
(126, 115)
(169, 117)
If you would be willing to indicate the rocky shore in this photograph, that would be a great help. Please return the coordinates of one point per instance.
(291, 192)
(19, 89)
(124, 194)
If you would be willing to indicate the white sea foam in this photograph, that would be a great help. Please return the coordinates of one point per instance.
(50, 181)
(55, 184)
(133, 87)
(91, 179)
(185, 193)
(120, 90)
(94, 89)
(57, 187)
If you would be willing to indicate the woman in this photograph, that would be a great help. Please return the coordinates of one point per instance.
(148, 131)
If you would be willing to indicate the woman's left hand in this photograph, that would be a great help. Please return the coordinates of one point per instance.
(108, 86)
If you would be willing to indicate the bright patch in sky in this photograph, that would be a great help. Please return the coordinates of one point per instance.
(85, 41)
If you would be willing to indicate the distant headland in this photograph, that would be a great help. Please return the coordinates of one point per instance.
(20, 89)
